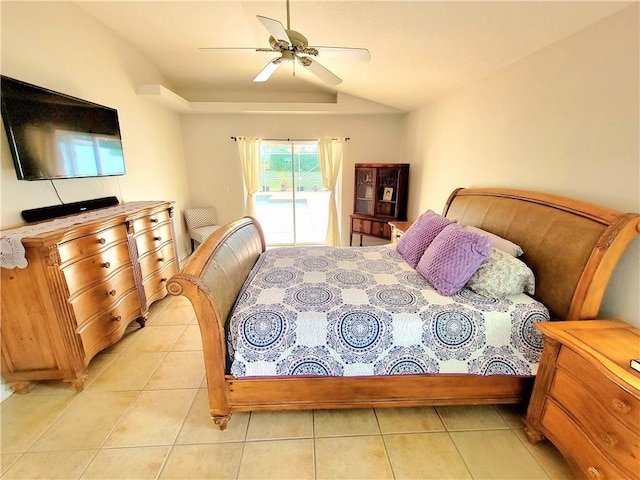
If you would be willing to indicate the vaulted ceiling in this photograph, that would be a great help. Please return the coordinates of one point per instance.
(419, 49)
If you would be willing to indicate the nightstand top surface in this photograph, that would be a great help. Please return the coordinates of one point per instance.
(614, 343)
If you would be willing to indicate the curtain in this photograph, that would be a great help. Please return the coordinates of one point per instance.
(330, 156)
(249, 150)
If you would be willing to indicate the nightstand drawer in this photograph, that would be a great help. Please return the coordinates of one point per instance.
(567, 436)
(617, 401)
(615, 440)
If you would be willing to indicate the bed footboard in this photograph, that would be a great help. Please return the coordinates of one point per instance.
(211, 279)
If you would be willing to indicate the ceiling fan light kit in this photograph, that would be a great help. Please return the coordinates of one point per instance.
(294, 46)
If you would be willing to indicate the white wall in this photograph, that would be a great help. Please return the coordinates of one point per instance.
(60, 47)
(215, 175)
(563, 120)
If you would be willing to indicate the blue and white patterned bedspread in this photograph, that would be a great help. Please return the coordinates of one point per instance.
(341, 311)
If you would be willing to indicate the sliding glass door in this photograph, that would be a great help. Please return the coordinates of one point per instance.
(292, 203)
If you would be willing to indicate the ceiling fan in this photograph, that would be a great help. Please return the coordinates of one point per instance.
(293, 46)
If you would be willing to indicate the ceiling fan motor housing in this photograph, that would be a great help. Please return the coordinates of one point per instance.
(299, 44)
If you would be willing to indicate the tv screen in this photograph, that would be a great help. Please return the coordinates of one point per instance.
(52, 135)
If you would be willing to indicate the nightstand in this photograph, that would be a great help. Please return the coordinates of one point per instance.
(398, 229)
(586, 397)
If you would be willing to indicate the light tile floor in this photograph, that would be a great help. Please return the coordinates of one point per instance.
(144, 414)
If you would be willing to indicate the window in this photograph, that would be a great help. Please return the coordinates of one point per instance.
(292, 203)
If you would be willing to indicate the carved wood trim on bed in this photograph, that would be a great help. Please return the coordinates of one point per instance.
(571, 246)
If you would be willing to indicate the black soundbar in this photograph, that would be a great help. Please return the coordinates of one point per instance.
(55, 211)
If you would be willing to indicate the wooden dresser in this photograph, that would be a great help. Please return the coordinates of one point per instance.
(586, 397)
(83, 284)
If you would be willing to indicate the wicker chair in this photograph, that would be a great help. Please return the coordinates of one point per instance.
(201, 223)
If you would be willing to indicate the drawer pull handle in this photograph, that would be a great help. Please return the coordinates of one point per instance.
(102, 241)
(117, 319)
(157, 239)
(594, 473)
(609, 439)
(112, 293)
(106, 265)
(163, 279)
(161, 259)
(153, 220)
(620, 405)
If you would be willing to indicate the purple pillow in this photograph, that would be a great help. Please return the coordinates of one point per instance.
(419, 236)
(452, 258)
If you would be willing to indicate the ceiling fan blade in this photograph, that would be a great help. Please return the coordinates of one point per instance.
(268, 70)
(361, 54)
(237, 49)
(318, 70)
(275, 28)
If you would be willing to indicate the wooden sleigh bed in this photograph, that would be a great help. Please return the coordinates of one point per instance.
(571, 246)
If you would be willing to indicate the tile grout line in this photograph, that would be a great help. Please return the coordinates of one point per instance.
(313, 432)
(453, 442)
(130, 406)
(384, 444)
(173, 443)
(522, 441)
(244, 444)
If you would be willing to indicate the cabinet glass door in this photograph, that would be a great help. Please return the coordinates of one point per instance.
(365, 195)
(386, 196)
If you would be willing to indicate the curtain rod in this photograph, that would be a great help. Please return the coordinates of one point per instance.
(290, 139)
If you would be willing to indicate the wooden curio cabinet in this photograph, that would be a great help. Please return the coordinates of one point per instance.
(380, 196)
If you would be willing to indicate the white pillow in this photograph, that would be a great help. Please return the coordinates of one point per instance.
(498, 242)
(501, 275)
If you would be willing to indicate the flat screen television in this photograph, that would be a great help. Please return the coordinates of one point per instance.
(52, 135)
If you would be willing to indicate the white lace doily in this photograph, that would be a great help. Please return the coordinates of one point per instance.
(12, 253)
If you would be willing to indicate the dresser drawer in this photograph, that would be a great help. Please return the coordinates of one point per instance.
(102, 331)
(608, 434)
(154, 261)
(155, 286)
(153, 239)
(569, 438)
(150, 221)
(104, 296)
(90, 244)
(618, 402)
(96, 268)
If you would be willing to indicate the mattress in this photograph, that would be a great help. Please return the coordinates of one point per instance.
(343, 311)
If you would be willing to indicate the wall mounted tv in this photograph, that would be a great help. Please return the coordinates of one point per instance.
(52, 135)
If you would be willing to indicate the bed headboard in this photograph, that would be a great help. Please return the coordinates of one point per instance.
(571, 246)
